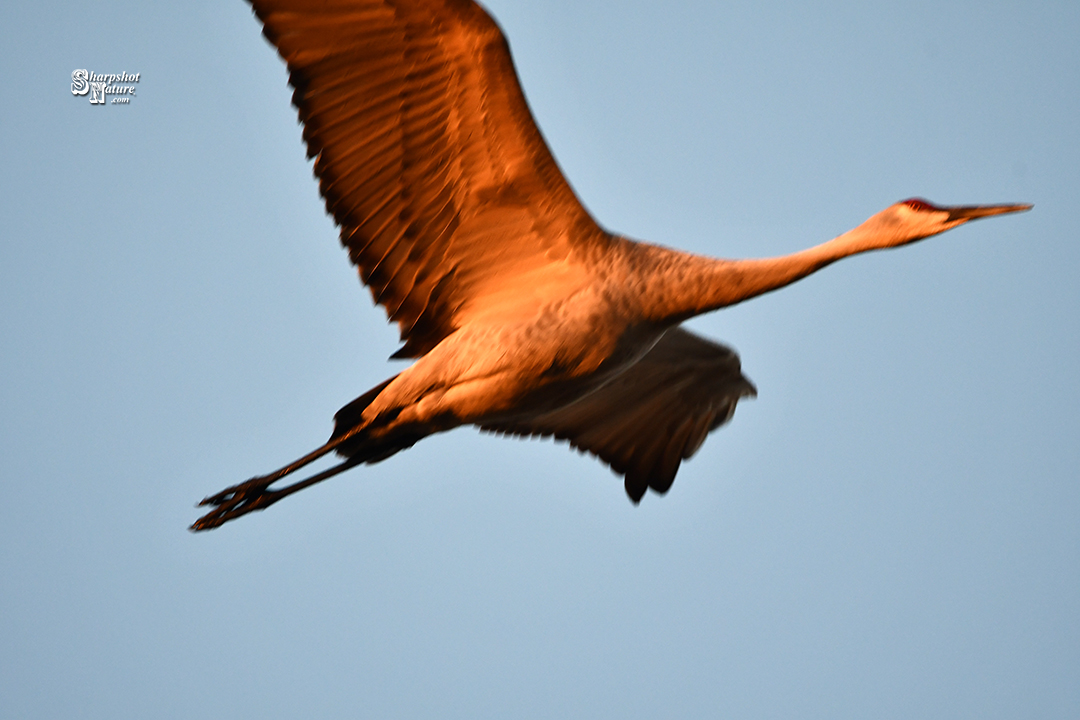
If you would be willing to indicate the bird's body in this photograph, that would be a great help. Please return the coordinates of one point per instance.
(525, 316)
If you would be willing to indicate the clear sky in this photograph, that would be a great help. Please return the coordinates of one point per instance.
(891, 530)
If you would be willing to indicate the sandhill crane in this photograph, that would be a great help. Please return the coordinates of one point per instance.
(525, 317)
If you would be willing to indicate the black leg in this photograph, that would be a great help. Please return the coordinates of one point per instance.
(240, 500)
(254, 494)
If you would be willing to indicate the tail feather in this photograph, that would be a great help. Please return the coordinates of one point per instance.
(372, 442)
(352, 414)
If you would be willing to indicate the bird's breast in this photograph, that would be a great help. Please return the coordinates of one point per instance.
(535, 351)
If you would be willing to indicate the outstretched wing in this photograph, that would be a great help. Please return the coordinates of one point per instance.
(650, 418)
(426, 153)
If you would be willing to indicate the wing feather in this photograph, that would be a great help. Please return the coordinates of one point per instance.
(654, 415)
(423, 145)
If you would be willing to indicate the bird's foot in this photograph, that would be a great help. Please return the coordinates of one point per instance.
(232, 502)
(254, 485)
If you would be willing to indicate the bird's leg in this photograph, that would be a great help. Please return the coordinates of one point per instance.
(236, 501)
(261, 482)
(254, 494)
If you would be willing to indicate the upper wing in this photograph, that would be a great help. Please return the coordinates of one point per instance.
(652, 416)
(427, 154)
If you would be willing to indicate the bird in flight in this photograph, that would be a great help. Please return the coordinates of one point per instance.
(524, 315)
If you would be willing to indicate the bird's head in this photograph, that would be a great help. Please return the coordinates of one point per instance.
(914, 219)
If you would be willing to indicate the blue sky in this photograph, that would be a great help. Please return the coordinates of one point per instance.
(890, 530)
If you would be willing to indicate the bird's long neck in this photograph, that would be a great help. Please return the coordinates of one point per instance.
(679, 286)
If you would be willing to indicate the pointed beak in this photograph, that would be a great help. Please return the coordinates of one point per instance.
(974, 212)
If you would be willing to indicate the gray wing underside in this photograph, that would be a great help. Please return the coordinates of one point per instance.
(653, 416)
